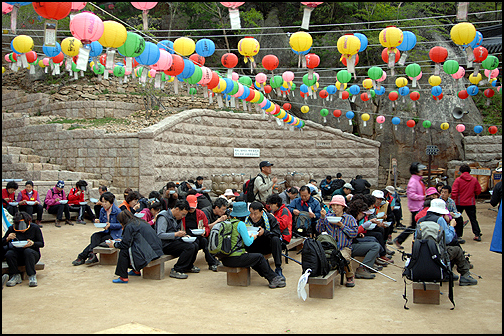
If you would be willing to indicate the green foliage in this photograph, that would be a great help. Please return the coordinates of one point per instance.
(492, 114)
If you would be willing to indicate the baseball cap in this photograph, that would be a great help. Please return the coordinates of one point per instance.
(390, 189)
(348, 186)
(60, 184)
(265, 164)
(192, 200)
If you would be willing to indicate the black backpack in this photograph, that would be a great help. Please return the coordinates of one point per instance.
(333, 254)
(248, 189)
(313, 257)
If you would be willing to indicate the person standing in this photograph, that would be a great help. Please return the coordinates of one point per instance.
(464, 191)
(415, 192)
(263, 184)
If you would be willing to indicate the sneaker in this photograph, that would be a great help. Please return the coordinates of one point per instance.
(32, 280)
(177, 275)
(461, 241)
(387, 260)
(80, 221)
(471, 266)
(67, 221)
(134, 273)
(350, 282)
(477, 238)
(377, 268)
(57, 224)
(277, 282)
(278, 271)
(390, 252)
(39, 224)
(396, 243)
(380, 262)
(465, 223)
(465, 280)
(78, 262)
(213, 268)
(400, 227)
(16, 279)
(389, 241)
(5, 277)
(120, 280)
(194, 269)
(363, 273)
(92, 259)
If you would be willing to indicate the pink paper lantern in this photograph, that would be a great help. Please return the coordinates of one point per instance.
(460, 128)
(459, 74)
(240, 91)
(165, 61)
(78, 6)
(493, 74)
(6, 8)
(261, 78)
(312, 4)
(7, 58)
(416, 78)
(288, 76)
(380, 119)
(144, 5)
(382, 78)
(152, 73)
(86, 27)
(232, 5)
(206, 75)
(235, 76)
(263, 103)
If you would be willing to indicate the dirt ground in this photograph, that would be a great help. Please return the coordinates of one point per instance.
(83, 299)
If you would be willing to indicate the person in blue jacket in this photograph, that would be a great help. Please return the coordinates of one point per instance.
(113, 229)
(305, 204)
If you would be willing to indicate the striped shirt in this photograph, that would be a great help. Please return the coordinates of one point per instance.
(343, 235)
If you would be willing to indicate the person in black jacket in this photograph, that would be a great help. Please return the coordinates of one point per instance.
(360, 185)
(496, 194)
(132, 226)
(22, 230)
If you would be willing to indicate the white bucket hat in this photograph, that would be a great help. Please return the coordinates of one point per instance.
(228, 192)
(438, 206)
(378, 194)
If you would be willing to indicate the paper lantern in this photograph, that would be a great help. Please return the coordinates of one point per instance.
(404, 91)
(23, 43)
(99, 69)
(396, 121)
(478, 129)
(31, 56)
(248, 47)
(490, 63)
(492, 129)
(229, 60)
(312, 61)
(475, 79)
(164, 61)
(375, 72)
(205, 47)
(324, 94)
(434, 80)
(480, 54)
(309, 82)
(287, 106)
(391, 37)
(300, 41)
(462, 94)
(401, 81)
(276, 81)
(51, 51)
(344, 60)
(345, 95)
(426, 124)
(450, 67)
(413, 70)
(58, 58)
(445, 126)
(472, 90)
(270, 62)
(463, 33)
(267, 89)
(437, 97)
(6, 8)
(380, 120)
(70, 46)
(365, 117)
(176, 67)
(363, 42)
(119, 71)
(150, 55)
(197, 59)
(144, 5)
(460, 128)
(76, 6)
(393, 95)
(95, 49)
(86, 27)
(408, 42)
(415, 95)
(337, 113)
(410, 123)
(459, 74)
(133, 46)
(348, 45)
(438, 54)
(166, 45)
(367, 83)
(478, 39)
(52, 10)
(385, 56)
(184, 46)
(114, 35)
(343, 76)
(436, 90)
(324, 113)
(288, 76)
(364, 96)
(197, 75)
(305, 109)
(492, 73)
(350, 115)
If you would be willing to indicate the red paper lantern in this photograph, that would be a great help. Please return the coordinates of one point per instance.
(345, 95)
(337, 113)
(415, 95)
(197, 59)
(410, 123)
(364, 96)
(323, 94)
(277, 109)
(489, 93)
(251, 95)
(480, 54)
(229, 60)
(270, 62)
(267, 88)
(303, 94)
(393, 95)
(384, 55)
(176, 67)
(492, 129)
(438, 54)
(59, 58)
(31, 56)
(287, 106)
(103, 59)
(312, 61)
(214, 81)
(52, 10)
(438, 97)
(344, 60)
(462, 94)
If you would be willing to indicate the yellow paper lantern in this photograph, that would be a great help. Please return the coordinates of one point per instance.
(271, 108)
(41, 64)
(170, 79)
(248, 47)
(475, 79)
(3, 69)
(114, 34)
(463, 33)
(23, 43)
(70, 46)
(220, 87)
(257, 96)
(365, 117)
(401, 81)
(434, 80)
(391, 37)
(305, 109)
(91, 64)
(348, 45)
(301, 41)
(315, 86)
(296, 121)
(338, 86)
(367, 83)
(184, 46)
(286, 84)
(289, 118)
(445, 126)
(281, 114)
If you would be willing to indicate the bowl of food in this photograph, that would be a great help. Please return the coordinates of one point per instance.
(100, 225)
(253, 229)
(13, 203)
(30, 202)
(197, 232)
(82, 203)
(19, 243)
(387, 224)
(63, 201)
(379, 219)
(139, 214)
(457, 215)
(334, 220)
(189, 239)
(94, 200)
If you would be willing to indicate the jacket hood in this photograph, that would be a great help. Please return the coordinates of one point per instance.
(466, 176)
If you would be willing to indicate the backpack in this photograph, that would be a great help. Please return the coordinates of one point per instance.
(221, 237)
(45, 204)
(313, 257)
(333, 254)
(302, 224)
(429, 260)
(248, 189)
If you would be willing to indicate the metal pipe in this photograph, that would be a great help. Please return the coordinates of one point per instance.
(373, 269)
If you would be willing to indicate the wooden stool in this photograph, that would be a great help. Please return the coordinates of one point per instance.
(108, 255)
(322, 287)
(427, 292)
(155, 269)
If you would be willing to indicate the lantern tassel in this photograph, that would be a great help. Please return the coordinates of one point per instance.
(234, 18)
(437, 69)
(145, 20)
(210, 98)
(129, 64)
(470, 54)
(306, 17)
(414, 82)
(402, 60)
(157, 81)
(364, 123)
(24, 61)
(14, 14)
(219, 101)
(476, 69)
(325, 120)
(82, 61)
(110, 59)
(175, 85)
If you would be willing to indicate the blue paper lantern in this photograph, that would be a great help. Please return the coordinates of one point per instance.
(472, 90)
(229, 85)
(51, 51)
(331, 89)
(354, 89)
(150, 55)
(436, 90)
(363, 41)
(301, 52)
(478, 129)
(95, 49)
(205, 47)
(404, 91)
(350, 114)
(380, 91)
(188, 68)
(267, 106)
(166, 45)
(495, 83)
(303, 88)
(396, 120)
(478, 39)
(408, 42)
(246, 92)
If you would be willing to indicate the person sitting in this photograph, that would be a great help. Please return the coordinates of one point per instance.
(196, 219)
(169, 229)
(288, 195)
(170, 195)
(8, 196)
(381, 213)
(201, 189)
(229, 196)
(113, 230)
(282, 215)
(395, 203)
(345, 191)
(132, 227)
(337, 183)
(22, 229)
(75, 197)
(203, 201)
(98, 205)
(452, 208)
(183, 188)
(268, 238)
(240, 239)
(430, 194)
(30, 195)
(360, 185)
(435, 213)
(52, 201)
(216, 213)
(151, 212)
(325, 186)
(304, 206)
(131, 202)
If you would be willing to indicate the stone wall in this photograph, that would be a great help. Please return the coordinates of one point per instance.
(483, 148)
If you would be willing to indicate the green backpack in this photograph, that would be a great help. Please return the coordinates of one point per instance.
(334, 257)
(224, 238)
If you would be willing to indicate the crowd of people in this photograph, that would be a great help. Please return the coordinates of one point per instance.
(361, 221)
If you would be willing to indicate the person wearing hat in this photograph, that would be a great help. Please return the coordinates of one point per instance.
(196, 219)
(263, 184)
(435, 213)
(345, 191)
(28, 194)
(325, 186)
(75, 198)
(240, 239)
(395, 203)
(415, 191)
(229, 196)
(53, 205)
(430, 194)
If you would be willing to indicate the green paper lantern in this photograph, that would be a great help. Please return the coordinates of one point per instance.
(192, 91)
(490, 63)
(98, 69)
(373, 93)
(74, 67)
(343, 76)
(308, 82)
(195, 77)
(119, 71)
(245, 80)
(236, 87)
(261, 98)
(276, 81)
(413, 70)
(450, 67)
(426, 124)
(133, 46)
(293, 87)
(375, 73)
(324, 112)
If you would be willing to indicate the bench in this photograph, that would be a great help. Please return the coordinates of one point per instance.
(295, 244)
(322, 287)
(238, 276)
(22, 269)
(429, 294)
(107, 255)
(155, 269)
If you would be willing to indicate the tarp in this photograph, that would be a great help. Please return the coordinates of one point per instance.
(496, 245)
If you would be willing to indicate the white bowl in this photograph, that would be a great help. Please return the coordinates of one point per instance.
(189, 239)
(94, 200)
(380, 214)
(13, 203)
(139, 215)
(19, 243)
(100, 225)
(30, 202)
(82, 203)
(63, 201)
(253, 229)
(457, 215)
(387, 224)
(197, 232)
(334, 220)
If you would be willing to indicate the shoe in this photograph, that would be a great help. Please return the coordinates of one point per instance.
(194, 269)
(67, 221)
(376, 268)
(350, 282)
(477, 238)
(396, 243)
(465, 223)
(92, 259)
(277, 282)
(461, 241)
(388, 260)
(134, 273)
(400, 227)
(5, 277)
(389, 241)
(32, 280)
(57, 224)
(278, 271)
(465, 280)
(391, 252)
(78, 262)
(471, 266)
(80, 221)
(16, 279)
(213, 268)
(120, 280)
(380, 262)
(363, 273)
(177, 275)
(39, 224)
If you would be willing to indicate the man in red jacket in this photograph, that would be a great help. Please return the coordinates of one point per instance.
(464, 191)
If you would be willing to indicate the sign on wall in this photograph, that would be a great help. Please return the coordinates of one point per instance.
(247, 152)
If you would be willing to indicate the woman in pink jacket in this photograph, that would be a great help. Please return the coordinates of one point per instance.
(415, 192)
(54, 206)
